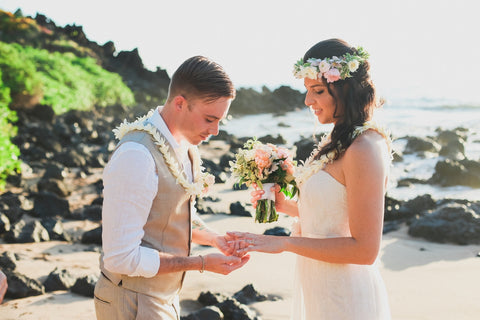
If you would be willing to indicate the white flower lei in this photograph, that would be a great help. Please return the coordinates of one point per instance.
(203, 179)
(312, 166)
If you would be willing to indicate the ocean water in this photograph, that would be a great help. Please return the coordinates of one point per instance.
(413, 118)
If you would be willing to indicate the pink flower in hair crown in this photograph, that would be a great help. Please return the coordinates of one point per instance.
(332, 75)
(332, 69)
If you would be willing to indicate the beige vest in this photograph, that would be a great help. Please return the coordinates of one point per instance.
(168, 227)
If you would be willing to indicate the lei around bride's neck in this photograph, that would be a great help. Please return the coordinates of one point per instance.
(312, 165)
(335, 150)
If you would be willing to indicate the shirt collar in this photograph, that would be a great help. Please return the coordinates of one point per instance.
(181, 150)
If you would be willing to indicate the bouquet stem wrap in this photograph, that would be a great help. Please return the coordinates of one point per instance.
(266, 205)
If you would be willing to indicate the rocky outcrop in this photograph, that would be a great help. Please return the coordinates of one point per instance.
(278, 101)
(238, 209)
(277, 231)
(452, 173)
(220, 306)
(93, 236)
(421, 145)
(148, 86)
(25, 232)
(446, 220)
(21, 286)
(85, 285)
(59, 280)
(453, 222)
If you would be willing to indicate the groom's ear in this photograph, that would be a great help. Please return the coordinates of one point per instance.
(179, 102)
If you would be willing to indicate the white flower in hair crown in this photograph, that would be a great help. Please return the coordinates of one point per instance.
(332, 69)
(203, 180)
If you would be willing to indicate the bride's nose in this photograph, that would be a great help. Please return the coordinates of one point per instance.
(308, 99)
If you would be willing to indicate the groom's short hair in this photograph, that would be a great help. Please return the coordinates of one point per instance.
(201, 78)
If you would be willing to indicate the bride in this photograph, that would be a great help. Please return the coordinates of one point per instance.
(341, 200)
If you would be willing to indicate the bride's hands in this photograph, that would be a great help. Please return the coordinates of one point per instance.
(279, 197)
(247, 242)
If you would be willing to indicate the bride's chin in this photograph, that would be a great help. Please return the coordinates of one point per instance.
(324, 121)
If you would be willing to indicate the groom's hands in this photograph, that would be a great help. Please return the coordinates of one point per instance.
(201, 234)
(219, 263)
(227, 245)
(221, 243)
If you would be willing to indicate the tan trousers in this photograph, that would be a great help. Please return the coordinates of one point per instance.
(116, 303)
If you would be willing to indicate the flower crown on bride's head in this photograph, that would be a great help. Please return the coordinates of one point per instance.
(332, 69)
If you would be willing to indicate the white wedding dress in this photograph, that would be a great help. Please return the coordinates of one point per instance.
(327, 290)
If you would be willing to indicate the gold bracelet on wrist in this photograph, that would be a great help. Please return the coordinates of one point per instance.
(203, 263)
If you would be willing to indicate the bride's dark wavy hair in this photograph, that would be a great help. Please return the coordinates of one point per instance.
(356, 94)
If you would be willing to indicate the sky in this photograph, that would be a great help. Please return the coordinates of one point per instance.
(419, 49)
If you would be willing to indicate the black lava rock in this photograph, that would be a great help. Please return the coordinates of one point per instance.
(59, 280)
(21, 286)
(85, 286)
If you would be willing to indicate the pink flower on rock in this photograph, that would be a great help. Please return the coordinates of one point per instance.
(332, 75)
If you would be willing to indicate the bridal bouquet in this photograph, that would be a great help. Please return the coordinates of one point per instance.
(265, 165)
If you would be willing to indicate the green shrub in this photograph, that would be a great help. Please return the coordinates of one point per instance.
(61, 80)
(18, 73)
(9, 152)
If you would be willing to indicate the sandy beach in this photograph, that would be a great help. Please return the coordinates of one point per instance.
(424, 280)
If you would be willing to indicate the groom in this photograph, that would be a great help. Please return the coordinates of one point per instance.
(150, 184)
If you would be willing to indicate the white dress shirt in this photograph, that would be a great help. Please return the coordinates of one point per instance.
(130, 185)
